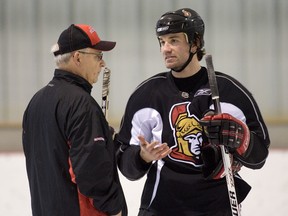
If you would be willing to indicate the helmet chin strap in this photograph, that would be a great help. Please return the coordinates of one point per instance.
(186, 63)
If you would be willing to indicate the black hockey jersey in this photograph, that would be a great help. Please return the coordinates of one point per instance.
(160, 112)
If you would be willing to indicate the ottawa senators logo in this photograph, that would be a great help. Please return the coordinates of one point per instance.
(187, 135)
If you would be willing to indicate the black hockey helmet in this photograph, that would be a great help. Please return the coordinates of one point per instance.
(183, 20)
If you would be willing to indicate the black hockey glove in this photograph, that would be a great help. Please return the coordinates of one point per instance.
(213, 167)
(212, 161)
(224, 129)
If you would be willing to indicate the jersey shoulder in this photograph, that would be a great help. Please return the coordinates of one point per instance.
(152, 83)
(226, 81)
(160, 77)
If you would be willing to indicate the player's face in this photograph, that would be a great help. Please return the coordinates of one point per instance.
(175, 49)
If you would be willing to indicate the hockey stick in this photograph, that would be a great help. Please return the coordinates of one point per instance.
(226, 157)
(105, 91)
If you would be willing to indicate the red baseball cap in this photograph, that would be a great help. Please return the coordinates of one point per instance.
(79, 36)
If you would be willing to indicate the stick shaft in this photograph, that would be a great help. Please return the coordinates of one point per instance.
(227, 158)
(105, 90)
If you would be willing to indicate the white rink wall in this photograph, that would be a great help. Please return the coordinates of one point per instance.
(269, 194)
(247, 38)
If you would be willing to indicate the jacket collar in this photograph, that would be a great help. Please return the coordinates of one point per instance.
(73, 78)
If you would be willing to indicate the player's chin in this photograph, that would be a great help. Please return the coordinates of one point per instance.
(169, 65)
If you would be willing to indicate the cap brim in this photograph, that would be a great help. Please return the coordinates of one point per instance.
(105, 45)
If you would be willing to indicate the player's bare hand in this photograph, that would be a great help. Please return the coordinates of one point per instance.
(153, 151)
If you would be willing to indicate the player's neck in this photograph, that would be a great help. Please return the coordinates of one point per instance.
(192, 68)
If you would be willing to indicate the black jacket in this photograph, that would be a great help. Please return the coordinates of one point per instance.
(69, 151)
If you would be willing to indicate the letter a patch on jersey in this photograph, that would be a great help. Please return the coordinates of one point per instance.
(187, 134)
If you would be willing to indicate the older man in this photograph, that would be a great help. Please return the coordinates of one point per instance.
(66, 139)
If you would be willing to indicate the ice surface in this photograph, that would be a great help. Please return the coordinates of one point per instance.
(269, 194)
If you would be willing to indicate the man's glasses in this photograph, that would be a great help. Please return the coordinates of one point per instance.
(99, 55)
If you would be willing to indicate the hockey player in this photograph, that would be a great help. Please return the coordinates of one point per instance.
(162, 133)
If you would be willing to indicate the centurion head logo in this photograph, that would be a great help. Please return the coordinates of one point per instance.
(187, 135)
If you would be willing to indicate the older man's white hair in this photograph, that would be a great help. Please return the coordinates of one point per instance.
(60, 59)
